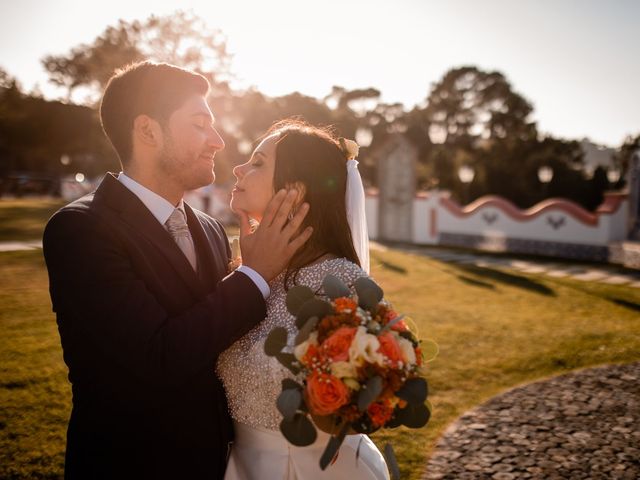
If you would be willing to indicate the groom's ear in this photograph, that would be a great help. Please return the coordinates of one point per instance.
(301, 190)
(147, 131)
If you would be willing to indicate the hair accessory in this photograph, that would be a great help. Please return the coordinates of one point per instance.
(349, 148)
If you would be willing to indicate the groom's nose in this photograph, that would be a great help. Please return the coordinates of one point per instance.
(215, 140)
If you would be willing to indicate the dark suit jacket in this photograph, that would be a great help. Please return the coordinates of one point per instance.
(141, 332)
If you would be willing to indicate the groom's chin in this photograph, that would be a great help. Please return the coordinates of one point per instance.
(203, 180)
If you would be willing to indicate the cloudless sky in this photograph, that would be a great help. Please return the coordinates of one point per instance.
(577, 61)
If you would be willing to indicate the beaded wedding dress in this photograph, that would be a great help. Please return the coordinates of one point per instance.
(253, 380)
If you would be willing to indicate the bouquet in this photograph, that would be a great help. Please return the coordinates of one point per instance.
(360, 366)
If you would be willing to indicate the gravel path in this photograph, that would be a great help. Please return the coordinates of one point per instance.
(582, 425)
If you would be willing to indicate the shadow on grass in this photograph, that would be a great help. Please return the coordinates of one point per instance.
(13, 385)
(624, 303)
(392, 267)
(475, 282)
(587, 289)
(499, 276)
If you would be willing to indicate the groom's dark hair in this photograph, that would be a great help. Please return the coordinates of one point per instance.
(154, 89)
(312, 156)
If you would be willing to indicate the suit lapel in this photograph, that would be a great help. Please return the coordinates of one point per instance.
(135, 214)
(212, 264)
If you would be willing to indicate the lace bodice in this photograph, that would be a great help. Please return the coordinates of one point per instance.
(253, 380)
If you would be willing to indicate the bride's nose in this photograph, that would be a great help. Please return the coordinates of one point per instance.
(238, 171)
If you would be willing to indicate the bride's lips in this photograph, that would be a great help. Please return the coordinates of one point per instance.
(237, 189)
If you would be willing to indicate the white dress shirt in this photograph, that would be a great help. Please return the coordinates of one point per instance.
(161, 209)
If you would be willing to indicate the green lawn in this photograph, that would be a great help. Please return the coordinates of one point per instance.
(23, 219)
(35, 396)
(496, 329)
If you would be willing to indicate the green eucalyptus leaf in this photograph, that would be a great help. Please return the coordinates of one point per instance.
(392, 462)
(332, 447)
(298, 296)
(369, 392)
(306, 330)
(288, 402)
(364, 425)
(313, 308)
(394, 422)
(369, 293)
(414, 390)
(288, 383)
(289, 361)
(299, 431)
(414, 415)
(276, 341)
(335, 288)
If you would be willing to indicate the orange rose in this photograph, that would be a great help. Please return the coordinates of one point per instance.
(389, 347)
(344, 304)
(325, 393)
(379, 413)
(336, 347)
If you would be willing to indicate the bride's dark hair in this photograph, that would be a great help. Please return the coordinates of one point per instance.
(312, 156)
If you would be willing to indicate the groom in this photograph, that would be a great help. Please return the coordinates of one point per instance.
(140, 287)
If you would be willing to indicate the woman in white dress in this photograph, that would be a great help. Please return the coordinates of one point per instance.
(315, 163)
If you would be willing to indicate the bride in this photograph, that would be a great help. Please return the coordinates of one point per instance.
(295, 155)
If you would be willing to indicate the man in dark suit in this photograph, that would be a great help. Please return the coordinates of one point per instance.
(140, 285)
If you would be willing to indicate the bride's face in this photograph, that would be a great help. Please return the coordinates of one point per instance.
(254, 184)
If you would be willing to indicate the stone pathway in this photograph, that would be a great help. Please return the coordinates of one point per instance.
(582, 425)
(609, 274)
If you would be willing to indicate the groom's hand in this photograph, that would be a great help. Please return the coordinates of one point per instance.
(269, 249)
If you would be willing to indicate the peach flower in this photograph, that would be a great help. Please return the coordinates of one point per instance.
(325, 393)
(389, 347)
(336, 347)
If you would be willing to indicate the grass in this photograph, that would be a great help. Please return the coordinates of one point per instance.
(24, 219)
(496, 329)
(35, 397)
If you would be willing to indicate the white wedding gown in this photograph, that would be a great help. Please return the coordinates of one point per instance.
(253, 380)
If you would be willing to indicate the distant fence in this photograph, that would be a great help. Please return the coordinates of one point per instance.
(555, 227)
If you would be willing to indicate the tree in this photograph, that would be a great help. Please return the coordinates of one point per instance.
(476, 119)
(622, 157)
(7, 81)
(182, 39)
(469, 104)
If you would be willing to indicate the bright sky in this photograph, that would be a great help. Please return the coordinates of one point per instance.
(577, 61)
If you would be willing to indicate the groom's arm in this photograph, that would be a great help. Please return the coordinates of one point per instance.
(93, 285)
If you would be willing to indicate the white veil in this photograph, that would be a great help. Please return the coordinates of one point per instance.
(356, 215)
